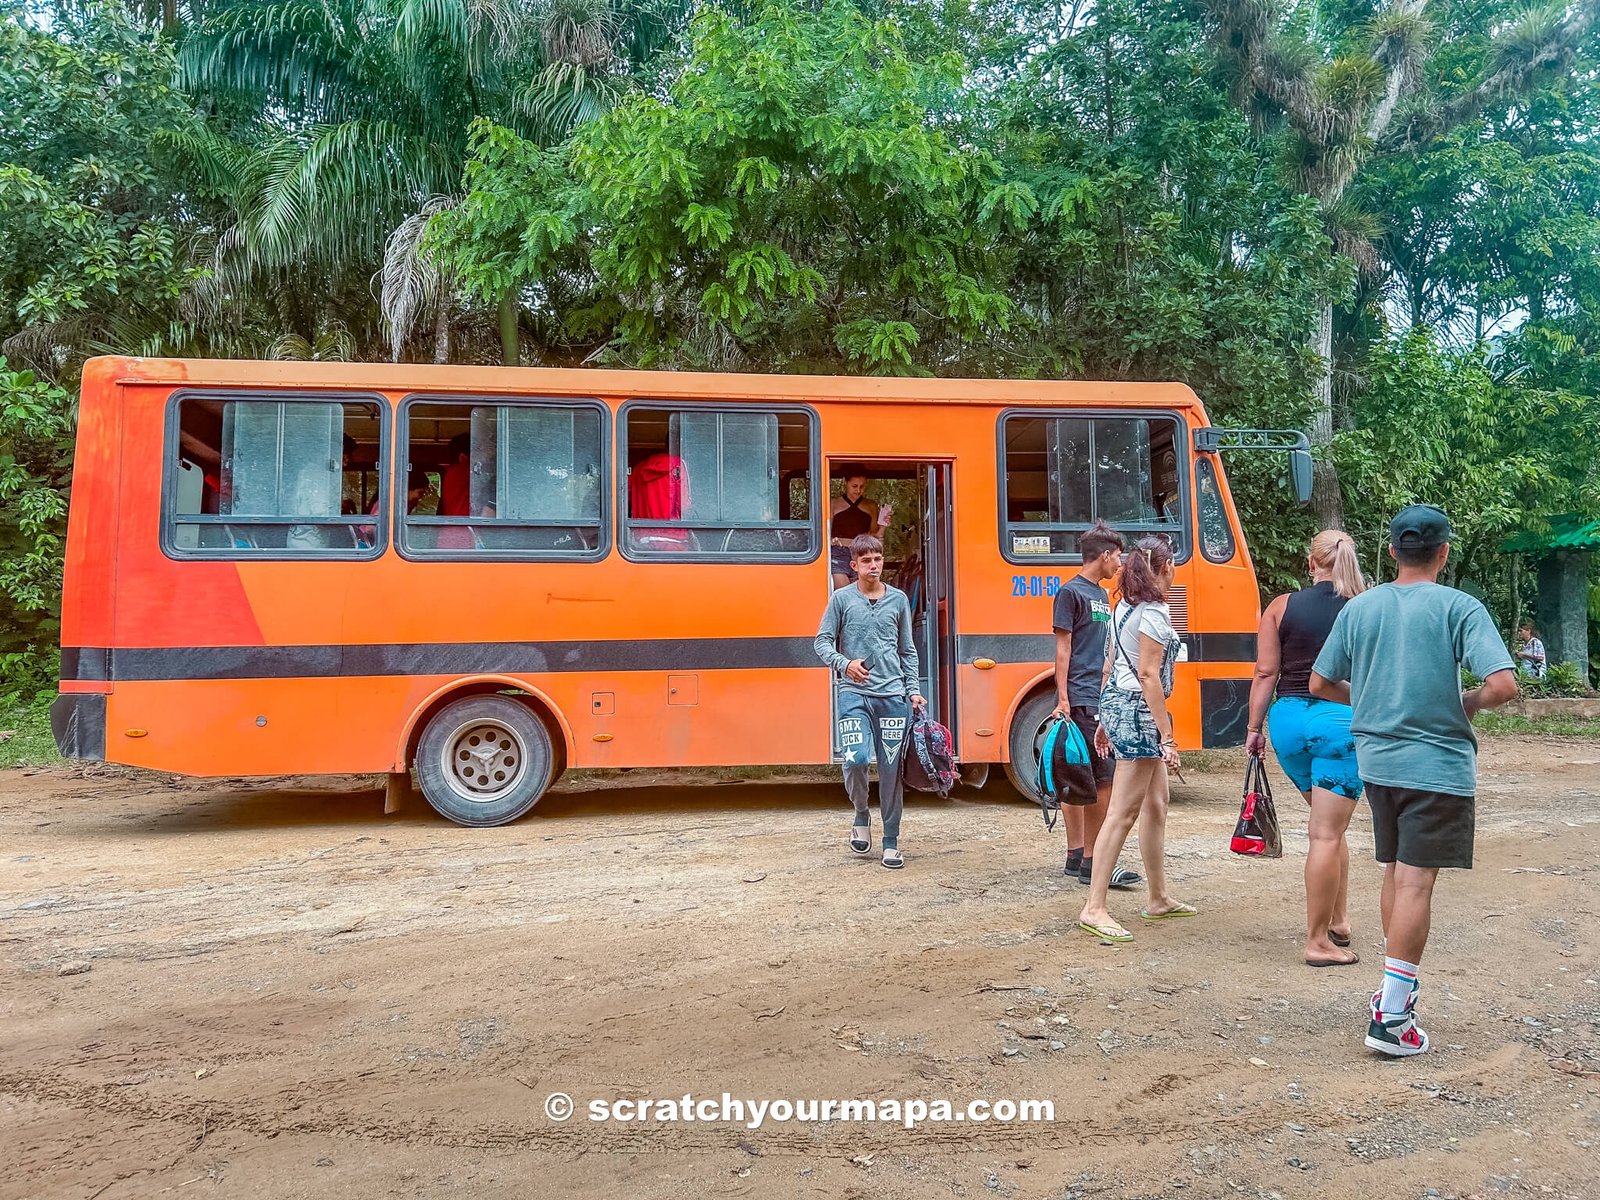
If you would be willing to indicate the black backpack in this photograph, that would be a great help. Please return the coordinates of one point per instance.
(1065, 773)
(931, 760)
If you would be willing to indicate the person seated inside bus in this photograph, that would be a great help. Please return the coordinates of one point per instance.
(209, 460)
(351, 503)
(418, 485)
(455, 478)
(658, 490)
(853, 515)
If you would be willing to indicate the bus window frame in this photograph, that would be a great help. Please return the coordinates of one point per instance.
(171, 452)
(1182, 469)
(505, 553)
(745, 557)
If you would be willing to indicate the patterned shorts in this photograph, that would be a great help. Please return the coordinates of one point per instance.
(1129, 724)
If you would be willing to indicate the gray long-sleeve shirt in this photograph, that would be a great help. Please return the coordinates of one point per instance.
(878, 632)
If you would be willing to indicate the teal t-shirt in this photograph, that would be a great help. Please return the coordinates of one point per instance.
(1402, 647)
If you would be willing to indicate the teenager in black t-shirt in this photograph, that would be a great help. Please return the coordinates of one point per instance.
(1080, 619)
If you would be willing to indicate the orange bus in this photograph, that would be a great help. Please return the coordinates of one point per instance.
(490, 575)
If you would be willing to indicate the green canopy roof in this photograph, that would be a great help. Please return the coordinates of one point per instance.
(1571, 531)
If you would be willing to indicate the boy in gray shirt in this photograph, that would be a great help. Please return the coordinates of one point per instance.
(1395, 655)
(865, 637)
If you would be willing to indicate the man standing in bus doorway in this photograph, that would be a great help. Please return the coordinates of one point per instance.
(865, 637)
(1081, 615)
(1395, 655)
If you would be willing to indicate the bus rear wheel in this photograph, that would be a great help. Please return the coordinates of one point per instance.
(484, 760)
(1027, 732)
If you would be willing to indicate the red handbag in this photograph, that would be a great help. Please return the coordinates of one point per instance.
(1257, 834)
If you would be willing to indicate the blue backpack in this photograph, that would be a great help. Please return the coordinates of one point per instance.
(1065, 773)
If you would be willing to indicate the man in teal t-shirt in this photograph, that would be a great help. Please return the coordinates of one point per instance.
(1395, 655)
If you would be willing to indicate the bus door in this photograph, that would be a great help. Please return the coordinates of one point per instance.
(919, 561)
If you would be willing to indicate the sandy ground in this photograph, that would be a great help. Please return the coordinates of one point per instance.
(275, 991)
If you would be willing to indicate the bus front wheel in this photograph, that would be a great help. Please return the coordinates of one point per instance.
(484, 760)
(1027, 731)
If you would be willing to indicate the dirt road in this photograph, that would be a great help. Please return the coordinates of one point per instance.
(237, 990)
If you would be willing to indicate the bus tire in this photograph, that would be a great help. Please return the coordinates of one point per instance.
(1027, 728)
(484, 760)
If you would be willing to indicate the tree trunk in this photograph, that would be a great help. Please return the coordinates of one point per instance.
(1326, 500)
(441, 324)
(508, 327)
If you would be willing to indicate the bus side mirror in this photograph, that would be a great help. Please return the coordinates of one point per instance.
(1300, 474)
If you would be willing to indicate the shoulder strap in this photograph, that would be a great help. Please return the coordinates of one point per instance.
(1116, 635)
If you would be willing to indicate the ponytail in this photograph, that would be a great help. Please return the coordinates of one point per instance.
(1140, 582)
(1335, 552)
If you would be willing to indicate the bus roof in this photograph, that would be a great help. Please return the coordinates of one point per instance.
(674, 385)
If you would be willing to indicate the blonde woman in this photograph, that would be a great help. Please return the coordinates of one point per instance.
(1141, 651)
(1311, 737)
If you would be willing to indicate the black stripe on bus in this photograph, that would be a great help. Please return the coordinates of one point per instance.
(1041, 647)
(436, 658)
(97, 664)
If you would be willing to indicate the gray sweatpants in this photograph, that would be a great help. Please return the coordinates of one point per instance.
(883, 720)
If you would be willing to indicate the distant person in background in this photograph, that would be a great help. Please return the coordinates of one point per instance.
(1395, 654)
(1312, 737)
(852, 516)
(1530, 652)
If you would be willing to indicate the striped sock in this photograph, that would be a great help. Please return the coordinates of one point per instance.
(1399, 983)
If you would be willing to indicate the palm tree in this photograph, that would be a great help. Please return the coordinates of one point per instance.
(1342, 110)
(337, 124)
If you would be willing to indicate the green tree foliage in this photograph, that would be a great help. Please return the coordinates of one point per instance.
(789, 205)
(334, 123)
(35, 459)
(1342, 84)
(94, 255)
(93, 233)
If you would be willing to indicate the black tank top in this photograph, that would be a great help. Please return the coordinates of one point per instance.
(1307, 619)
(851, 521)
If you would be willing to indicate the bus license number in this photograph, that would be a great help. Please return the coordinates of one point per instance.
(1035, 585)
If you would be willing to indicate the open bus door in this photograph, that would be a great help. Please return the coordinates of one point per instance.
(922, 566)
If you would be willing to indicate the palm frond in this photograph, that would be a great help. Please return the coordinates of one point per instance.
(580, 32)
(333, 344)
(411, 279)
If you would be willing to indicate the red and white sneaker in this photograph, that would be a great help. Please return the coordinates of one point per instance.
(1397, 1034)
(1411, 1000)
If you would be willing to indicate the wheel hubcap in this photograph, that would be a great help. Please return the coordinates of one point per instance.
(484, 760)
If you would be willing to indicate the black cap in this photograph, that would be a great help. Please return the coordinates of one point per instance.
(1419, 527)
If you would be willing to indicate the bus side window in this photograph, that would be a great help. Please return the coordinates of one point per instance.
(1216, 534)
(271, 477)
(732, 483)
(1062, 473)
(519, 479)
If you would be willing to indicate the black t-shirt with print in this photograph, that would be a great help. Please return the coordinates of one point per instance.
(1083, 609)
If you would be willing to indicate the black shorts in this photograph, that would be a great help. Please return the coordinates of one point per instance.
(1088, 720)
(1421, 828)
